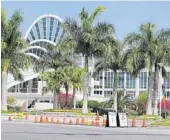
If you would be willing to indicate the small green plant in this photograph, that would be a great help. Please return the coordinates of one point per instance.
(11, 101)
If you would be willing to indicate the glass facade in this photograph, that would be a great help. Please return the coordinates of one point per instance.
(121, 80)
(143, 80)
(47, 28)
(130, 81)
(108, 79)
(167, 81)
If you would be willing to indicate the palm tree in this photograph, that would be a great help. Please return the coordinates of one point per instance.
(162, 55)
(76, 80)
(12, 57)
(122, 101)
(54, 80)
(54, 59)
(145, 40)
(87, 39)
(74, 76)
(115, 60)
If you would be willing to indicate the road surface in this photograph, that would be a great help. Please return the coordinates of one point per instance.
(36, 131)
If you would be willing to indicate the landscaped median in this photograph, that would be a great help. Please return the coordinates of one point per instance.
(165, 122)
(147, 117)
(72, 112)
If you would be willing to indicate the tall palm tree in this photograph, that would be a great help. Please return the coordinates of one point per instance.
(54, 79)
(88, 39)
(113, 59)
(12, 57)
(53, 59)
(145, 40)
(162, 55)
(122, 101)
(56, 60)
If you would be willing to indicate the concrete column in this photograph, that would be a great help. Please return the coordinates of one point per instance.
(124, 83)
(137, 87)
(30, 85)
(103, 82)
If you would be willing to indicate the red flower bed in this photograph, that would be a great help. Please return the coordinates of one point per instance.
(62, 98)
(165, 105)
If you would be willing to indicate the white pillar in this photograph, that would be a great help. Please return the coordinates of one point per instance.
(124, 83)
(103, 78)
(30, 85)
(137, 87)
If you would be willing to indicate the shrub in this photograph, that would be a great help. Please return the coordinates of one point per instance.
(11, 101)
(92, 104)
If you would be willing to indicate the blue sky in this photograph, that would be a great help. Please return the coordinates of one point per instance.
(125, 16)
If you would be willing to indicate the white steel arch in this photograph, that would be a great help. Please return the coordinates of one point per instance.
(40, 17)
(43, 40)
(36, 47)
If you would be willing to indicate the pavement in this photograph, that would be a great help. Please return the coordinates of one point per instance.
(27, 130)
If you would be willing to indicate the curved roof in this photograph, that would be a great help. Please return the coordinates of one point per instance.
(45, 28)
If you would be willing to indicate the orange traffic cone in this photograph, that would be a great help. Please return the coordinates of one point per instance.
(144, 122)
(97, 116)
(97, 123)
(46, 119)
(52, 119)
(83, 121)
(64, 121)
(133, 122)
(58, 121)
(41, 119)
(104, 121)
(70, 122)
(26, 117)
(92, 123)
(9, 118)
(77, 121)
(36, 118)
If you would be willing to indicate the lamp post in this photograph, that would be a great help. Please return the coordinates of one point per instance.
(160, 89)
(26, 108)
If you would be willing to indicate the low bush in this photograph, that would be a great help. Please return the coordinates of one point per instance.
(64, 110)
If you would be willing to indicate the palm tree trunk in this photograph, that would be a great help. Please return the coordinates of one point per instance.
(149, 99)
(73, 96)
(4, 77)
(66, 87)
(155, 112)
(55, 99)
(4, 90)
(115, 91)
(85, 87)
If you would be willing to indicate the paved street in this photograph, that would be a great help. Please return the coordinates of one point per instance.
(35, 131)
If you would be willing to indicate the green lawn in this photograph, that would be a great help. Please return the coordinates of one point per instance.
(150, 117)
(161, 123)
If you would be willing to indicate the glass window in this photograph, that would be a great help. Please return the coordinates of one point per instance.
(167, 81)
(130, 81)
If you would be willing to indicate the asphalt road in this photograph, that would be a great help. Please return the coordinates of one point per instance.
(35, 131)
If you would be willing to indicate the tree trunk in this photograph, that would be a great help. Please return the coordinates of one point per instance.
(73, 96)
(155, 112)
(149, 99)
(115, 91)
(66, 87)
(56, 99)
(85, 87)
(4, 91)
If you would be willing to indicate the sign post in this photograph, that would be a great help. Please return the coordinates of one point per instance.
(122, 120)
(111, 119)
